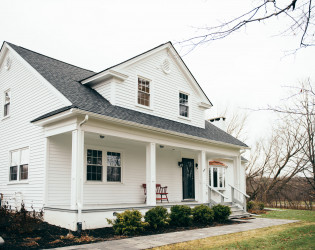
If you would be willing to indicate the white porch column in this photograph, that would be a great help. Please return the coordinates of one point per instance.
(202, 169)
(237, 171)
(151, 173)
(77, 168)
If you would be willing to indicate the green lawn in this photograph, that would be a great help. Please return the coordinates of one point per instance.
(300, 235)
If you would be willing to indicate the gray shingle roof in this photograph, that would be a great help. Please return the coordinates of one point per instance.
(65, 78)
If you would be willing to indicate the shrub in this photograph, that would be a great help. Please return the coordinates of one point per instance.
(250, 205)
(180, 215)
(261, 205)
(128, 223)
(202, 214)
(20, 220)
(157, 217)
(221, 213)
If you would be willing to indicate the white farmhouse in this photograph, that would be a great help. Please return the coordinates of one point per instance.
(81, 144)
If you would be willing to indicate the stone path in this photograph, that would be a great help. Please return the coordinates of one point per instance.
(144, 242)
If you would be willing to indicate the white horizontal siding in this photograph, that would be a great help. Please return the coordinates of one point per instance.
(164, 90)
(59, 170)
(30, 98)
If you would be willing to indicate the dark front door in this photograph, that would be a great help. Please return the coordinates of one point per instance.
(188, 179)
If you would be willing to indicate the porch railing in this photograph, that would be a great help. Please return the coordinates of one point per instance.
(235, 200)
(211, 201)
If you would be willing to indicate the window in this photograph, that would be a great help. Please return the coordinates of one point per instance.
(94, 165)
(19, 164)
(217, 177)
(143, 92)
(183, 105)
(113, 167)
(7, 100)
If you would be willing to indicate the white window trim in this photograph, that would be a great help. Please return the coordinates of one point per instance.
(189, 106)
(18, 181)
(210, 168)
(3, 103)
(151, 106)
(104, 164)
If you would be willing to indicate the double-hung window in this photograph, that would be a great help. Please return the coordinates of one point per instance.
(113, 167)
(7, 102)
(217, 176)
(143, 92)
(94, 165)
(183, 105)
(19, 160)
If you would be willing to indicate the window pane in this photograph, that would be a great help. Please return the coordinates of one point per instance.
(24, 156)
(94, 173)
(215, 177)
(24, 172)
(114, 174)
(183, 104)
(13, 173)
(15, 158)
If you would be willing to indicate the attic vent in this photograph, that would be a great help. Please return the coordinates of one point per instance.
(8, 63)
(166, 66)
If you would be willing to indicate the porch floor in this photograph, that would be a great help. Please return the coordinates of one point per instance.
(121, 206)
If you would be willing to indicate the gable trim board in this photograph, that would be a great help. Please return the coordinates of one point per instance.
(175, 56)
(6, 46)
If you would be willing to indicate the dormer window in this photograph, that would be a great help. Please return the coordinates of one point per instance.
(143, 92)
(183, 105)
(7, 101)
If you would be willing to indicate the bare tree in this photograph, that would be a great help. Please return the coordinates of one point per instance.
(299, 14)
(236, 120)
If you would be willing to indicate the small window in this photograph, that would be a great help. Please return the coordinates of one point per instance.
(143, 92)
(7, 101)
(113, 167)
(94, 165)
(183, 105)
(217, 177)
(19, 164)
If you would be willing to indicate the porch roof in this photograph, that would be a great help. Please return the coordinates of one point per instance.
(65, 78)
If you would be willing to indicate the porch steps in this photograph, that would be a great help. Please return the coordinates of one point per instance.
(237, 212)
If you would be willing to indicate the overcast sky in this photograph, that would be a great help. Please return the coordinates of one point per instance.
(245, 70)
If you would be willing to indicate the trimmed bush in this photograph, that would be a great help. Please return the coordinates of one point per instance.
(181, 215)
(157, 217)
(221, 213)
(250, 205)
(128, 223)
(261, 205)
(202, 214)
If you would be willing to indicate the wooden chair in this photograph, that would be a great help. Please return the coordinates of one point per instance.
(160, 191)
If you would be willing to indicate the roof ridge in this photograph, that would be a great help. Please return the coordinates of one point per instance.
(48, 57)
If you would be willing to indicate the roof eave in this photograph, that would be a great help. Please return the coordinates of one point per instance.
(72, 111)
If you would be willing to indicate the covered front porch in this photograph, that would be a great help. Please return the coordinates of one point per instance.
(93, 171)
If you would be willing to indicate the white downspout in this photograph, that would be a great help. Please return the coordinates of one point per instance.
(79, 203)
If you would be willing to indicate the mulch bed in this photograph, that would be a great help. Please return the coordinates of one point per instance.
(50, 236)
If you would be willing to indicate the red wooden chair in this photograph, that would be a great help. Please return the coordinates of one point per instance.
(160, 191)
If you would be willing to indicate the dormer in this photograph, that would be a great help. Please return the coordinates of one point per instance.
(156, 82)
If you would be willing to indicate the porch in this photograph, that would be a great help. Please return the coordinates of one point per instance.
(93, 172)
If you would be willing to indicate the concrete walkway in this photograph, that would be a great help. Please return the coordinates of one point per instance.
(144, 242)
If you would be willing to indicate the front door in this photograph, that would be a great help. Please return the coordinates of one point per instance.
(188, 179)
